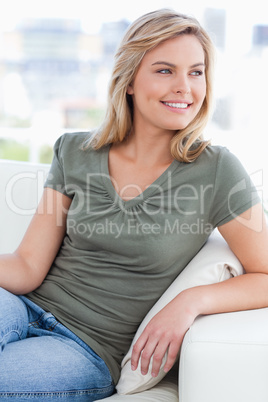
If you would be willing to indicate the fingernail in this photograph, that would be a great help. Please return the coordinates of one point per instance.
(132, 367)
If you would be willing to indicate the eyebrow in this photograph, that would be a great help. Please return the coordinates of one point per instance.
(166, 63)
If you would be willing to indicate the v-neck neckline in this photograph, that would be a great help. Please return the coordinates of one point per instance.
(150, 190)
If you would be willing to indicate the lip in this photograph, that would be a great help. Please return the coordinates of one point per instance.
(177, 101)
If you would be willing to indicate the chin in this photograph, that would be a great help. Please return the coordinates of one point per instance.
(178, 128)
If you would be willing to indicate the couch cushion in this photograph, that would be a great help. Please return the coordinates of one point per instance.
(165, 391)
(214, 263)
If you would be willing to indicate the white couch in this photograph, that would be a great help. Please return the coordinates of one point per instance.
(224, 357)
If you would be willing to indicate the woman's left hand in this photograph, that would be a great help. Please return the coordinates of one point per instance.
(164, 333)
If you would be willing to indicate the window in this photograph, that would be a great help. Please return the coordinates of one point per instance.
(56, 58)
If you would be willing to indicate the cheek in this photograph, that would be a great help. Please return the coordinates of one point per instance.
(157, 89)
(204, 91)
(145, 94)
(201, 92)
(147, 87)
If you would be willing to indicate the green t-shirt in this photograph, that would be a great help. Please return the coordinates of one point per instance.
(118, 257)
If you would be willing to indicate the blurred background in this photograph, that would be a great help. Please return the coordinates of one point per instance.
(55, 63)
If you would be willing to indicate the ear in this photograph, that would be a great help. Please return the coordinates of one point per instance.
(130, 90)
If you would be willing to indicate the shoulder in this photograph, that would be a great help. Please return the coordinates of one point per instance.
(72, 144)
(218, 156)
(72, 139)
(210, 158)
(218, 164)
(213, 152)
(71, 155)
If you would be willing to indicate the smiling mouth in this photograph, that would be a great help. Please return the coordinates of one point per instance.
(177, 105)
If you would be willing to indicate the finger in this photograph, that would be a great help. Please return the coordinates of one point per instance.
(146, 356)
(136, 352)
(172, 355)
(158, 357)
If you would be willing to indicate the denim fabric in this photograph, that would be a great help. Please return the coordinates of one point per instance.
(40, 359)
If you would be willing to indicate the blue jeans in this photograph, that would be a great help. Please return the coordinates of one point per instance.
(40, 359)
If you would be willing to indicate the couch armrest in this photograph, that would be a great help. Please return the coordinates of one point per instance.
(224, 358)
(21, 187)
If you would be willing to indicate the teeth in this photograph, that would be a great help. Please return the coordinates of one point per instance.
(177, 105)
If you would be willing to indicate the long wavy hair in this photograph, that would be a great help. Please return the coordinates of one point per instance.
(143, 35)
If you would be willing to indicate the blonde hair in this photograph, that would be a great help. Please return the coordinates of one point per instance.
(144, 34)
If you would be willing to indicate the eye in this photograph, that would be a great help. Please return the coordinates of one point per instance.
(197, 73)
(164, 71)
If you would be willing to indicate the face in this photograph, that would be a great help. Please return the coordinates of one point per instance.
(170, 86)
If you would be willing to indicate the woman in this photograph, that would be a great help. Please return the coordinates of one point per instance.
(130, 204)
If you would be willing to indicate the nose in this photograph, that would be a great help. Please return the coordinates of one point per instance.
(182, 85)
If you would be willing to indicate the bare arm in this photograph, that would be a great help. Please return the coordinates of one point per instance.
(25, 269)
(247, 236)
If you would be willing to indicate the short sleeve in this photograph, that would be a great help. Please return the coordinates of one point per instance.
(234, 191)
(56, 177)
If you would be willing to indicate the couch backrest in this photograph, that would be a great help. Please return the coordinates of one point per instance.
(21, 187)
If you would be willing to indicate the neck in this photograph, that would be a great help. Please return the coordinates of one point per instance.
(150, 149)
